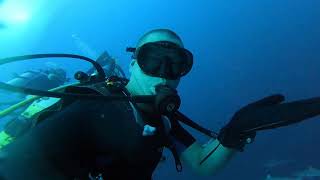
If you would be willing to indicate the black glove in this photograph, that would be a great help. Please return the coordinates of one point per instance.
(234, 134)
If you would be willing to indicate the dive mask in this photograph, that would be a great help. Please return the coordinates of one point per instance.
(163, 59)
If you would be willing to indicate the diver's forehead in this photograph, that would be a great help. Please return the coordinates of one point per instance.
(154, 37)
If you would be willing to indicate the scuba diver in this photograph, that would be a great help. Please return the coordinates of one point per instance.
(116, 128)
(42, 79)
(45, 80)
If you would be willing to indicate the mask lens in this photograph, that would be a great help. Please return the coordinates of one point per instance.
(164, 59)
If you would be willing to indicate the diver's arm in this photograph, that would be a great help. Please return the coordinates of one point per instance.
(232, 137)
(204, 160)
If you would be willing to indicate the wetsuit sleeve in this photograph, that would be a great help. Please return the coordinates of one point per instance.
(180, 137)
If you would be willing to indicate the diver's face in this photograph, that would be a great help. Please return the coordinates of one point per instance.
(140, 82)
(145, 84)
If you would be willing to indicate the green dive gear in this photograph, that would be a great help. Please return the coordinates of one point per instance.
(39, 105)
(5, 139)
(29, 100)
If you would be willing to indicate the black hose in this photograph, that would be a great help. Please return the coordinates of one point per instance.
(138, 99)
(101, 74)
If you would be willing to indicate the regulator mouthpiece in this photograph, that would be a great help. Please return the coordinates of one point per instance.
(167, 100)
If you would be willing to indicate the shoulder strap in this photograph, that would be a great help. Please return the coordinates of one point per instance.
(112, 85)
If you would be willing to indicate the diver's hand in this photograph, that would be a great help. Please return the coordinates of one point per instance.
(232, 135)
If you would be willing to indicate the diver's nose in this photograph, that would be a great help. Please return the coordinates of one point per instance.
(161, 82)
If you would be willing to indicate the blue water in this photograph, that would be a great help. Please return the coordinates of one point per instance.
(244, 50)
